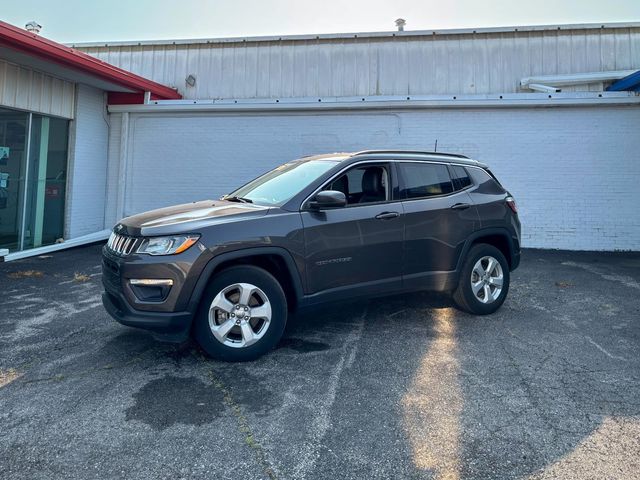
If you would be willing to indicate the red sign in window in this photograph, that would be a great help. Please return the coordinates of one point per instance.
(52, 191)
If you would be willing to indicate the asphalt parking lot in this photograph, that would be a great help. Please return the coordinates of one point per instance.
(400, 387)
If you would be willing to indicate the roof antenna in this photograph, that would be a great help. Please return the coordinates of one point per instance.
(435, 148)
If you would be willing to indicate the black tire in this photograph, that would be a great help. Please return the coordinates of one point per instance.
(464, 296)
(278, 302)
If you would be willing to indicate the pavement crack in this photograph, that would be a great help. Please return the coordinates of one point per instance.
(322, 421)
(243, 426)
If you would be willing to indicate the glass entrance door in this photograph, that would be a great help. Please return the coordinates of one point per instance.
(46, 182)
(33, 178)
(13, 161)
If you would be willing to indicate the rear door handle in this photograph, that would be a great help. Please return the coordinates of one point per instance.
(460, 206)
(387, 215)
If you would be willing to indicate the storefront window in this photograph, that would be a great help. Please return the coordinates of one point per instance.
(33, 174)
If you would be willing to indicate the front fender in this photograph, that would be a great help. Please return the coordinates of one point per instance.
(210, 267)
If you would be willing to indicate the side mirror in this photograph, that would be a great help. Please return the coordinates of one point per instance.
(328, 199)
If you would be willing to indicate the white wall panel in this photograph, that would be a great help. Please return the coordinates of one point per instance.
(575, 189)
(462, 63)
(88, 168)
(27, 89)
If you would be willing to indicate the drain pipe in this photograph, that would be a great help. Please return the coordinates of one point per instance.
(550, 83)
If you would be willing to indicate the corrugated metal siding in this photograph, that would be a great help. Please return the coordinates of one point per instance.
(31, 90)
(481, 63)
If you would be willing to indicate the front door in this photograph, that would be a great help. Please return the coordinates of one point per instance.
(359, 245)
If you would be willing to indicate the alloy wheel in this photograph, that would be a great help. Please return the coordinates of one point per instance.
(239, 315)
(487, 278)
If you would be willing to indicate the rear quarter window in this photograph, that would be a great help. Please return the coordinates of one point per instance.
(486, 182)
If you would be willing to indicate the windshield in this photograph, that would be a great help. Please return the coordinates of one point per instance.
(274, 188)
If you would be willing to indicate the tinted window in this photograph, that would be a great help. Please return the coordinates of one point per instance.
(460, 177)
(424, 180)
(365, 184)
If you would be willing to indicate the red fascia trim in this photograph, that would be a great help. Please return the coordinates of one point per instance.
(19, 39)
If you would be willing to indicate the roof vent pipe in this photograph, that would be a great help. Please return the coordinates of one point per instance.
(33, 27)
(400, 23)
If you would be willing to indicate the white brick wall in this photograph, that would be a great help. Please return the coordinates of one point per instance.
(87, 164)
(573, 171)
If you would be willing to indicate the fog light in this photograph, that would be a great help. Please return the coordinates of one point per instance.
(152, 282)
(151, 289)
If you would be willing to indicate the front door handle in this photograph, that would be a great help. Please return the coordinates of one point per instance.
(460, 206)
(387, 215)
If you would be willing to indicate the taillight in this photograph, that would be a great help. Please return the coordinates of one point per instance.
(512, 204)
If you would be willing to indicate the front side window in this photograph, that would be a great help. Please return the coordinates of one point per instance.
(424, 180)
(365, 184)
(276, 187)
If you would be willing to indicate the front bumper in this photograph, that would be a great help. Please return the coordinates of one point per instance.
(169, 319)
(169, 326)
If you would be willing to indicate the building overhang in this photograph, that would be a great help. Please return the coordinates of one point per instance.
(383, 102)
(29, 49)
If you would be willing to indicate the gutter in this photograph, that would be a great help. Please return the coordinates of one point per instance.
(548, 83)
(514, 100)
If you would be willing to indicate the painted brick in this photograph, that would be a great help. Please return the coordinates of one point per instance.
(574, 171)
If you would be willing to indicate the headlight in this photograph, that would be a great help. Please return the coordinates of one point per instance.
(167, 245)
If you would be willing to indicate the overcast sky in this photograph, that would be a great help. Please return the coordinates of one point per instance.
(109, 20)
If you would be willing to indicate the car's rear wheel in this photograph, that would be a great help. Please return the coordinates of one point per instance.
(484, 280)
(242, 315)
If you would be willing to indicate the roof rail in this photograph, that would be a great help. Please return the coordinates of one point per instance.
(455, 155)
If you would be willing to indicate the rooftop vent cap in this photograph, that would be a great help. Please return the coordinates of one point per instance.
(400, 23)
(33, 27)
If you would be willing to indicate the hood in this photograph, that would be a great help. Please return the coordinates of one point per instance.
(187, 218)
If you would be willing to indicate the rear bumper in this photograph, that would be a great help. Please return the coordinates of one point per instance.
(515, 255)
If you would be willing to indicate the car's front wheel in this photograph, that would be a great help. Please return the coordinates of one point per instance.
(242, 315)
(484, 280)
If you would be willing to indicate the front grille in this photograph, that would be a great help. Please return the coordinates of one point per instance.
(121, 244)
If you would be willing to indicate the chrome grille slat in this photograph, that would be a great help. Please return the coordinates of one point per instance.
(127, 246)
(121, 244)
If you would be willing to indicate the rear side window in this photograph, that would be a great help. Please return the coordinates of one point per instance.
(424, 180)
(459, 177)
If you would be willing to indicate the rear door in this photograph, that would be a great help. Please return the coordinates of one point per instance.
(439, 216)
(359, 245)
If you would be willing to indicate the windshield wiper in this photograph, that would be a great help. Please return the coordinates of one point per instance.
(238, 199)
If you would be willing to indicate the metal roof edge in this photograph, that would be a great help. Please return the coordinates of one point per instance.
(34, 45)
(339, 36)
